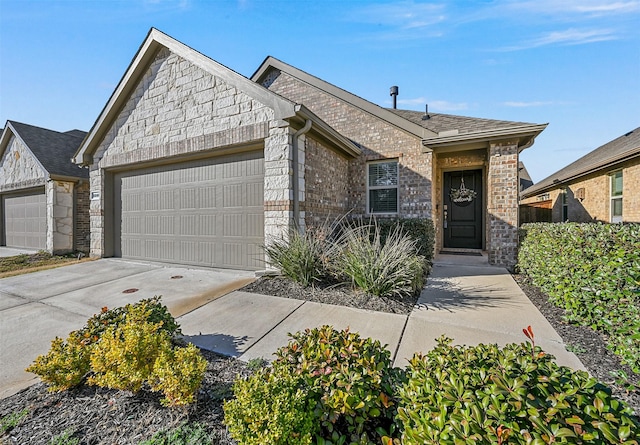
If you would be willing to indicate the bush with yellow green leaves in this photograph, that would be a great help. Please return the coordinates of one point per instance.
(125, 348)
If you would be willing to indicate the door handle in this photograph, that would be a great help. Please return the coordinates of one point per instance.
(445, 219)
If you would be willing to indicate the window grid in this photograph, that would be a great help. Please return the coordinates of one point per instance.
(382, 187)
(616, 196)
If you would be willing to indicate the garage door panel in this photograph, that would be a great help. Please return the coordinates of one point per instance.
(206, 212)
(25, 220)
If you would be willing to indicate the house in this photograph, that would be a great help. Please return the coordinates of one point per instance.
(192, 163)
(44, 196)
(600, 186)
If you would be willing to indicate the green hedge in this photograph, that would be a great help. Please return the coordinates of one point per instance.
(420, 229)
(593, 272)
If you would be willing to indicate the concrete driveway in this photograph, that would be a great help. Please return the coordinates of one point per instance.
(36, 307)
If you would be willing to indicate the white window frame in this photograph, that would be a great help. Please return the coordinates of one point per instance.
(612, 197)
(384, 187)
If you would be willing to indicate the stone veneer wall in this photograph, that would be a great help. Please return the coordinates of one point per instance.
(502, 204)
(19, 168)
(377, 139)
(60, 207)
(179, 109)
(82, 230)
(326, 182)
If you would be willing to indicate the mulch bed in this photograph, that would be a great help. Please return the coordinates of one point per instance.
(588, 345)
(332, 293)
(100, 416)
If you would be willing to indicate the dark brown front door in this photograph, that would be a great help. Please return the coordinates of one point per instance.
(462, 217)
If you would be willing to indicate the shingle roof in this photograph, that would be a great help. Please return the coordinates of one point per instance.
(439, 122)
(619, 149)
(53, 149)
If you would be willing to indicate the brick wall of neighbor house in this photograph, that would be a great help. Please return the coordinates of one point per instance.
(83, 225)
(60, 216)
(377, 139)
(502, 204)
(596, 204)
(19, 168)
(325, 183)
(179, 109)
(631, 191)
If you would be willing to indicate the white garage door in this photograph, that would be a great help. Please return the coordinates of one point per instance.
(207, 212)
(25, 220)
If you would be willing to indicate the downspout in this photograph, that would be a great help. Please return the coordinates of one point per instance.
(296, 174)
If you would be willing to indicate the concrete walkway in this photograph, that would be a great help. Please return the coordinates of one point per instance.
(465, 299)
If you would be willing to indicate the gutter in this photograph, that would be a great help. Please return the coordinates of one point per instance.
(296, 174)
(453, 139)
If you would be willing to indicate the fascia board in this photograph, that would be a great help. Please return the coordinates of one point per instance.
(530, 131)
(326, 131)
(363, 104)
(17, 135)
(557, 182)
(153, 43)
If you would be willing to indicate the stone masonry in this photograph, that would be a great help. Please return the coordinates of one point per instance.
(19, 169)
(60, 207)
(179, 109)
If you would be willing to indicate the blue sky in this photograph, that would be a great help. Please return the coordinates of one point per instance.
(572, 64)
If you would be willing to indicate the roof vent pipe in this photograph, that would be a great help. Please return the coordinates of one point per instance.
(394, 92)
(426, 113)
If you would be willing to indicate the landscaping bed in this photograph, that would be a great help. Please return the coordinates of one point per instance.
(25, 263)
(106, 416)
(588, 345)
(333, 293)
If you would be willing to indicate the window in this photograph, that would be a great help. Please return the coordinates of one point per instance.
(616, 197)
(382, 187)
(565, 205)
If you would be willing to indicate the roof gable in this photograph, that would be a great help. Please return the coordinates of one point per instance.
(438, 130)
(153, 43)
(605, 156)
(382, 113)
(53, 150)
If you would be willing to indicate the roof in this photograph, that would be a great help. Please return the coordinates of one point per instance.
(439, 123)
(523, 175)
(155, 40)
(606, 156)
(439, 130)
(52, 149)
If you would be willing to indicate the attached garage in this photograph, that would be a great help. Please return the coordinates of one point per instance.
(206, 212)
(25, 220)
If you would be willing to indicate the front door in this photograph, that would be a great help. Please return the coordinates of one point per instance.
(462, 212)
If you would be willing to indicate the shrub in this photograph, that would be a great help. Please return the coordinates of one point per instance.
(381, 268)
(178, 373)
(421, 230)
(516, 394)
(350, 379)
(271, 407)
(299, 256)
(592, 271)
(66, 363)
(125, 348)
(125, 356)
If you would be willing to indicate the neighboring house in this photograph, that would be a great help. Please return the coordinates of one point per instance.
(44, 196)
(523, 175)
(600, 186)
(193, 163)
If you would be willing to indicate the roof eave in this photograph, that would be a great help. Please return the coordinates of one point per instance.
(557, 182)
(344, 144)
(363, 104)
(154, 41)
(525, 134)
